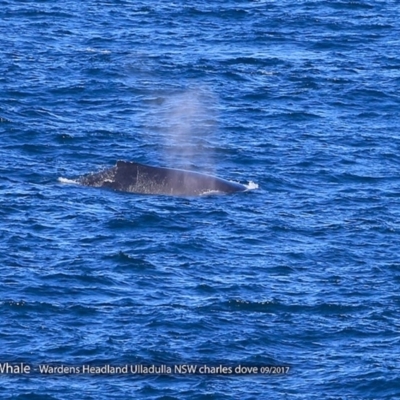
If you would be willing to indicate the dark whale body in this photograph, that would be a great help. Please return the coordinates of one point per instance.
(138, 178)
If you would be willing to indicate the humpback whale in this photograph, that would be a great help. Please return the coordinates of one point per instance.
(139, 178)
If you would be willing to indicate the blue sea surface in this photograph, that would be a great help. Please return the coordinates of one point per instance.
(299, 98)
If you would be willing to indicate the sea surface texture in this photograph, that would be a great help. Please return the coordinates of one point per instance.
(299, 99)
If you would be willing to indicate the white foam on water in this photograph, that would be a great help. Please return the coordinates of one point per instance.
(68, 181)
(252, 185)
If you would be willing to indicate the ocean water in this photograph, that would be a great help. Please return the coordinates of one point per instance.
(299, 97)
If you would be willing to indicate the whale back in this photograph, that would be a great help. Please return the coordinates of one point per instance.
(139, 178)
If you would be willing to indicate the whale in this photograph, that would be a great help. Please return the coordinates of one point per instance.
(133, 177)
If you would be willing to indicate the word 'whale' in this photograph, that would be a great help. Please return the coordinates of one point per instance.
(138, 178)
